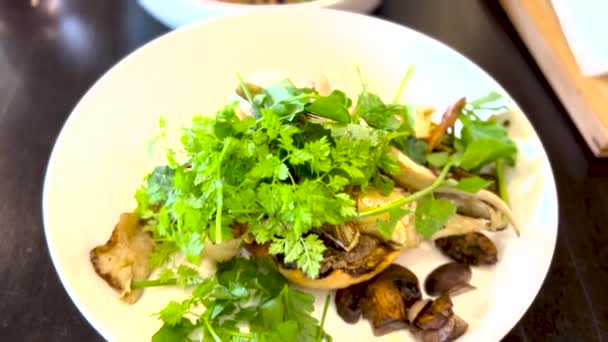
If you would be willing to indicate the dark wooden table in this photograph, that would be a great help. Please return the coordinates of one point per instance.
(51, 53)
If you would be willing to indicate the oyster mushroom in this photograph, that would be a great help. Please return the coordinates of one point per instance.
(471, 248)
(414, 176)
(452, 278)
(471, 216)
(124, 257)
(388, 298)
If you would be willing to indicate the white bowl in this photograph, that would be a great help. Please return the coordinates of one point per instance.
(101, 155)
(176, 13)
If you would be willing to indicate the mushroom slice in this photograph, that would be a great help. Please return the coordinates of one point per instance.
(388, 298)
(414, 176)
(124, 257)
(453, 329)
(349, 302)
(411, 174)
(471, 248)
(452, 278)
(435, 315)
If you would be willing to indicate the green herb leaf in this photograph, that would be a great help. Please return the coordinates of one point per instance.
(438, 159)
(174, 333)
(432, 215)
(484, 151)
(387, 228)
(172, 314)
(161, 254)
(334, 106)
(473, 184)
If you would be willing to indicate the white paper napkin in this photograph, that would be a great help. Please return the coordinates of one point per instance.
(585, 25)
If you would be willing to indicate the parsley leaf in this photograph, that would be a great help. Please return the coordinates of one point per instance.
(243, 291)
(432, 215)
(473, 184)
(438, 159)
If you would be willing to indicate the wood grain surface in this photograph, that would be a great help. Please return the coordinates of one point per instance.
(52, 53)
(585, 98)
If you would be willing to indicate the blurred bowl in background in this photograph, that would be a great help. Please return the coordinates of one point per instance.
(177, 13)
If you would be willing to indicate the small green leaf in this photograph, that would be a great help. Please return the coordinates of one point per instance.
(473, 184)
(387, 228)
(484, 151)
(432, 215)
(174, 333)
(334, 107)
(438, 159)
(172, 314)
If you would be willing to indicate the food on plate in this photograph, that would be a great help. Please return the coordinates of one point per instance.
(452, 278)
(471, 248)
(124, 257)
(393, 301)
(302, 186)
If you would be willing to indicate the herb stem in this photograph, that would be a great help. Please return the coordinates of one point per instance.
(211, 331)
(140, 284)
(320, 332)
(238, 333)
(220, 197)
(416, 195)
(406, 78)
(500, 176)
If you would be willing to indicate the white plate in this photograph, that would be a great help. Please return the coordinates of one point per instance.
(101, 156)
(176, 13)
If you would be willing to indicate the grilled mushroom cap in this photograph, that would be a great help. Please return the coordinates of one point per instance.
(471, 249)
(388, 299)
(341, 269)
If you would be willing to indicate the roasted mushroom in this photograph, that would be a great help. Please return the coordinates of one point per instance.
(452, 278)
(340, 268)
(471, 248)
(436, 321)
(453, 329)
(349, 302)
(124, 257)
(388, 298)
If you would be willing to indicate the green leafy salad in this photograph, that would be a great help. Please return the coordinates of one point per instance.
(292, 162)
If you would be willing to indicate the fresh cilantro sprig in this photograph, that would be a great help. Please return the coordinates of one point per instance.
(243, 291)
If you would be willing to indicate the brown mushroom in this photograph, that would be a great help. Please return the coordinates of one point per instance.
(349, 302)
(452, 278)
(124, 257)
(453, 329)
(341, 269)
(471, 248)
(388, 298)
(435, 315)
